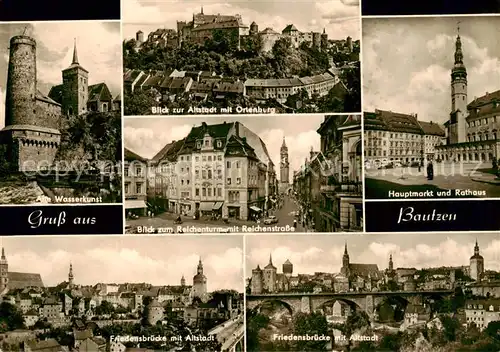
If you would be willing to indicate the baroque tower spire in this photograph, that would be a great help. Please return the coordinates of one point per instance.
(70, 274)
(3, 254)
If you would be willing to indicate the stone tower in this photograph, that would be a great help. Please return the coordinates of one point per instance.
(476, 264)
(75, 87)
(458, 96)
(345, 262)
(324, 39)
(254, 28)
(70, 275)
(257, 281)
(284, 167)
(4, 272)
(31, 133)
(270, 276)
(139, 36)
(391, 264)
(349, 44)
(288, 268)
(199, 282)
(183, 281)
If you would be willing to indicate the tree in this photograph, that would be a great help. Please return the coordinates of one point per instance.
(11, 318)
(493, 330)
(355, 322)
(255, 322)
(139, 102)
(105, 308)
(310, 324)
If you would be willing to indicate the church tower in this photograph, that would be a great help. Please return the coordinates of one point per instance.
(75, 87)
(183, 281)
(476, 264)
(70, 275)
(391, 264)
(270, 276)
(4, 272)
(345, 262)
(458, 114)
(284, 167)
(199, 282)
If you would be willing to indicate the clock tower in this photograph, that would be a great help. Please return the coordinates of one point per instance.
(284, 168)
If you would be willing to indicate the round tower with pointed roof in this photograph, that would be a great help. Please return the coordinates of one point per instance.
(254, 28)
(476, 264)
(458, 94)
(155, 312)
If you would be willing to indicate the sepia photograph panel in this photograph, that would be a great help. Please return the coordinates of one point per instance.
(427, 7)
(383, 292)
(243, 174)
(58, 10)
(431, 124)
(60, 113)
(118, 293)
(241, 57)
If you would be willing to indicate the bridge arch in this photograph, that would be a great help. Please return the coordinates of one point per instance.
(275, 301)
(391, 308)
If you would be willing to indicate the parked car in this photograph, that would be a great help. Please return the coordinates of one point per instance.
(271, 220)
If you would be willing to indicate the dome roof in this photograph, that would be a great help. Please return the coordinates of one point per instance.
(477, 256)
(155, 304)
(199, 277)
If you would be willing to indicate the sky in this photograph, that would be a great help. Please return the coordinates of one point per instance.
(407, 63)
(158, 260)
(98, 45)
(147, 136)
(340, 18)
(308, 253)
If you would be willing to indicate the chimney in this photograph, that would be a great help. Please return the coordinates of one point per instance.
(237, 128)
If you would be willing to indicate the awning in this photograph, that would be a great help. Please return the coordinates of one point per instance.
(217, 205)
(254, 208)
(206, 206)
(135, 204)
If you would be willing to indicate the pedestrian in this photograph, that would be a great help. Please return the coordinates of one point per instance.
(430, 171)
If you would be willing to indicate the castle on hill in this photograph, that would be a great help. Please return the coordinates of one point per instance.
(204, 27)
(34, 121)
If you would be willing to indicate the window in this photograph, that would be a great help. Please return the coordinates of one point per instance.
(197, 158)
(219, 192)
(182, 182)
(204, 158)
(204, 174)
(198, 145)
(138, 187)
(197, 174)
(209, 192)
(125, 171)
(229, 180)
(182, 158)
(237, 164)
(204, 192)
(219, 157)
(209, 158)
(228, 164)
(207, 143)
(127, 188)
(209, 174)
(238, 181)
(197, 192)
(138, 171)
(219, 144)
(219, 174)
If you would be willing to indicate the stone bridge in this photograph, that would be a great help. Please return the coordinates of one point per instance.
(365, 301)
